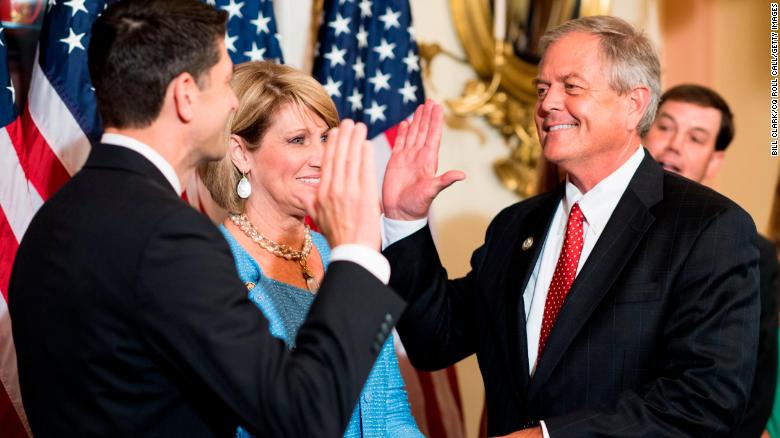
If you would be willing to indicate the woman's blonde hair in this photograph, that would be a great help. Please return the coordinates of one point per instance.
(262, 89)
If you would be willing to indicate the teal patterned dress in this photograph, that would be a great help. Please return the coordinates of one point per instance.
(383, 407)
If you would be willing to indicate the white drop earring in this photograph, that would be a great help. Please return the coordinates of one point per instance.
(243, 189)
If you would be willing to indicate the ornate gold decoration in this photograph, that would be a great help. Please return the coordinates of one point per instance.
(504, 93)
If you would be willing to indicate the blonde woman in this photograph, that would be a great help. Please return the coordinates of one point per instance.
(269, 176)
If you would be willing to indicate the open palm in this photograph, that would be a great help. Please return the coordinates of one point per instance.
(410, 182)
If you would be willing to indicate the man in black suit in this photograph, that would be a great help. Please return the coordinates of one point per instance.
(128, 315)
(690, 134)
(624, 302)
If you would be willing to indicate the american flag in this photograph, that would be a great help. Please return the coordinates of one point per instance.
(251, 33)
(367, 60)
(39, 150)
(49, 141)
(14, 188)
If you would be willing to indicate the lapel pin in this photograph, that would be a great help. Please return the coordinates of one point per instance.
(250, 285)
(528, 243)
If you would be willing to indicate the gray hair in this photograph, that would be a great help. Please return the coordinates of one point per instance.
(631, 57)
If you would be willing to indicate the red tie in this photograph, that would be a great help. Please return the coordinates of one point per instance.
(565, 271)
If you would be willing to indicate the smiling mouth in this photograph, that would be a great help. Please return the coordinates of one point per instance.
(309, 181)
(560, 127)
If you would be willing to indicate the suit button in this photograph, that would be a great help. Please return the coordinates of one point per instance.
(389, 318)
(385, 327)
(375, 347)
(367, 397)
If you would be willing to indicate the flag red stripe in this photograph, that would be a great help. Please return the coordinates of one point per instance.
(391, 135)
(452, 379)
(10, 424)
(436, 428)
(41, 165)
(8, 247)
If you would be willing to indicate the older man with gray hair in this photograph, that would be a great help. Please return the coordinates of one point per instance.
(622, 303)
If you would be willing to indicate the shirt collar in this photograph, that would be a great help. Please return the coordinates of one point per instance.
(599, 202)
(147, 152)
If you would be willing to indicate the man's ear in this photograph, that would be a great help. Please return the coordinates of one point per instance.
(183, 90)
(239, 154)
(638, 100)
(713, 166)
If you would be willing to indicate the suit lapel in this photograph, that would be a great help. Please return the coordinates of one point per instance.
(621, 236)
(524, 258)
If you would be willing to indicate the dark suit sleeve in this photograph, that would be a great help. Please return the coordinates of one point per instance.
(708, 356)
(762, 396)
(196, 317)
(438, 327)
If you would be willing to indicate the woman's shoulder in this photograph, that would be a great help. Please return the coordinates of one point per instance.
(248, 270)
(321, 243)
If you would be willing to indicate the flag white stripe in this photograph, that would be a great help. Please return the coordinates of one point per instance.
(9, 376)
(56, 123)
(18, 198)
(382, 150)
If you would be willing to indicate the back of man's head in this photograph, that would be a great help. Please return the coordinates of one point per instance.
(707, 98)
(139, 46)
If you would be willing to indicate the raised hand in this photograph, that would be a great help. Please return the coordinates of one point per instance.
(346, 208)
(410, 182)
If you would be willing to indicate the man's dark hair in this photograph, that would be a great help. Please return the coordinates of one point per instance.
(139, 46)
(703, 96)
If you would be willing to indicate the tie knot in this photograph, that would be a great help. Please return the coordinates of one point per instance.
(575, 215)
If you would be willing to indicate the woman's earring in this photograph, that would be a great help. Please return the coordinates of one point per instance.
(243, 189)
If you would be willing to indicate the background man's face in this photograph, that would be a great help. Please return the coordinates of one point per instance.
(682, 139)
(578, 115)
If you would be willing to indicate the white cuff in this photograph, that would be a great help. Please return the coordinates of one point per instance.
(544, 430)
(370, 259)
(394, 230)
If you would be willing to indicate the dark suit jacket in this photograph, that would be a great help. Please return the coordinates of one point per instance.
(657, 336)
(762, 396)
(129, 320)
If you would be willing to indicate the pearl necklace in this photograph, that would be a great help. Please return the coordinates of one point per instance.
(280, 250)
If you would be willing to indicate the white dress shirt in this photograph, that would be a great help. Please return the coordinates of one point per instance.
(370, 259)
(597, 206)
(149, 153)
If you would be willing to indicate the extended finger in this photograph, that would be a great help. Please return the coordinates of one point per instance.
(448, 179)
(352, 177)
(341, 156)
(433, 141)
(414, 128)
(425, 124)
(400, 138)
(326, 174)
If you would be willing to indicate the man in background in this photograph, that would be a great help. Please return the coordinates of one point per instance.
(690, 134)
